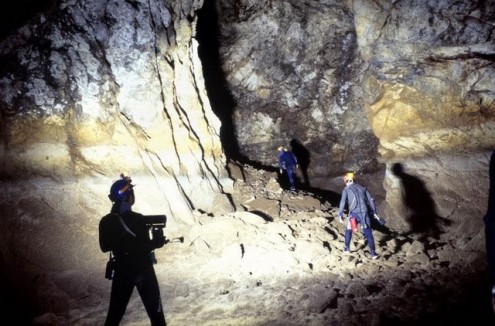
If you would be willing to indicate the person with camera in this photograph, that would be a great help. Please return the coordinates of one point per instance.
(126, 235)
(358, 199)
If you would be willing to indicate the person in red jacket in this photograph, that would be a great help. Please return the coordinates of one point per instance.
(126, 235)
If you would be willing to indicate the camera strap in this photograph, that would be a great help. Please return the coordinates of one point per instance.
(125, 226)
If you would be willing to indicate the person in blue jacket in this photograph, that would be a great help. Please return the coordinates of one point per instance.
(358, 199)
(489, 220)
(287, 162)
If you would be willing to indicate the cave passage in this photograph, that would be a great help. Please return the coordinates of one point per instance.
(221, 100)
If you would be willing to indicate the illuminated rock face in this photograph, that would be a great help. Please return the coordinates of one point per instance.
(91, 90)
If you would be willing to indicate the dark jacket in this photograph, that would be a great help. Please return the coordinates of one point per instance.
(128, 248)
(360, 203)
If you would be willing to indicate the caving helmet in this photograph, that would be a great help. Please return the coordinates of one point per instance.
(121, 190)
(349, 177)
(282, 148)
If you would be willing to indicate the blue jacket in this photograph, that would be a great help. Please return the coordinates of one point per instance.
(287, 160)
(359, 202)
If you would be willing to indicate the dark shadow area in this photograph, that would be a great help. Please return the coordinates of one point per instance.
(474, 309)
(222, 102)
(303, 158)
(14, 14)
(489, 221)
(264, 216)
(16, 304)
(423, 218)
(331, 232)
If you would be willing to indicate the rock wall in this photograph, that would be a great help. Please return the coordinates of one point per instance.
(369, 86)
(88, 90)
(430, 99)
(295, 71)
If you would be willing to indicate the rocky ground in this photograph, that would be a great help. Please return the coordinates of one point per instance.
(278, 261)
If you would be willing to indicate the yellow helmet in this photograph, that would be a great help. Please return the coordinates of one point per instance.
(349, 176)
(282, 148)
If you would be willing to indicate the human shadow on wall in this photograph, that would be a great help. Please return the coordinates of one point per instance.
(303, 158)
(222, 101)
(422, 218)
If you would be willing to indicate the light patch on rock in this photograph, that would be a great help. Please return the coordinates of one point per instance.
(316, 114)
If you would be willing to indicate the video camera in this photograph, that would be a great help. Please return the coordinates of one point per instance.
(156, 224)
(155, 221)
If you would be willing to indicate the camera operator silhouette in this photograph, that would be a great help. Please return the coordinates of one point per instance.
(126, 235)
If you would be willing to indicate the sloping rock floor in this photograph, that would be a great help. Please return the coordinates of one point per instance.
(278, 261)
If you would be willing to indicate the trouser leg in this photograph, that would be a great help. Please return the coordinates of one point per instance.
(290, 174)
(121, 292)
(149, 291)
(371, 241)
(347, 239)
